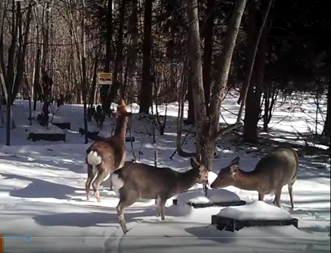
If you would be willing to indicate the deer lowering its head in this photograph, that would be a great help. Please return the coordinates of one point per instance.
(137, 180)
(271, 173)
(107, 155)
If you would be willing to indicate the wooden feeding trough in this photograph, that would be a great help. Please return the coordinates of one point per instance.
(52, 133)
(254, 214)
(90, 134)
(210, 204)
(47, 137)
(231, 224)
(62, 125)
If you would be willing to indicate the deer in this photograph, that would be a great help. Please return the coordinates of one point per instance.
(271, 173)
(106, 155)
(138, 180)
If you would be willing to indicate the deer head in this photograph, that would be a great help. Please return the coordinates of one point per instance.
(203, 172)
(227, 175)
(121, 110)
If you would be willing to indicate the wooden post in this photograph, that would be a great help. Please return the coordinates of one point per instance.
(155, 164)
(30, 114)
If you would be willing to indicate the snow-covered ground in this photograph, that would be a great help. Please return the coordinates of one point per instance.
(42, 193)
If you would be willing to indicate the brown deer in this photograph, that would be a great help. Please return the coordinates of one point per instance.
(108, 154)
(137, 180)
(272, 172)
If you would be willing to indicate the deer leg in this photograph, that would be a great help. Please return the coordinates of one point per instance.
(161, 204)
(277, 197)
(261, 196)
(101, 175)
(90, 177)
(157, 201)
(121, 218)
(87, 188)
(124, 202)
(290, 192)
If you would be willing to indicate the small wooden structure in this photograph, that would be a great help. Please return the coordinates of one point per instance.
(47, 137)
(230, 224)
(210, 204)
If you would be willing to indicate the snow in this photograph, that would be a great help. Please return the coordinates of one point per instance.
(42, 192)
(91, 127)
(105, 133)
(54, 118)
(255, 211)
(38, 129)
(213, 195)
(222, 195)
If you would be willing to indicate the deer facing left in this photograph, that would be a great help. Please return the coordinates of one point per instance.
(138, 180)
(107, 155)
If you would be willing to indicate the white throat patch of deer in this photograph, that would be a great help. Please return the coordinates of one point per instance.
(138, 180)
(272, 172)
(106, 155)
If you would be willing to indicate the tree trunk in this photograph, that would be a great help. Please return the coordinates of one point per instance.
(190, 113)
(109, 35)
(326, 130)
(208, 50)
(253, 100)
(36, 84)
(200, 112)
(266, 98)
(208, 127)
(212, 131)
(84, 75)
(94, 81)
(251, 106)
(23, 41)
(270, 97)
(133, 51)
(45, 30)
(118, 61)
(119, 44)
(145, 99)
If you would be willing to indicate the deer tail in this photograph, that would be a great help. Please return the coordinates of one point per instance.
(93, 158)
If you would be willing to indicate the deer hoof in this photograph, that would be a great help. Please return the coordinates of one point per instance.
(127, 230)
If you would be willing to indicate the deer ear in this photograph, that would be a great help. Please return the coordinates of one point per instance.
(194, 162)
(202, 168)
(235, 161)
(234, 168)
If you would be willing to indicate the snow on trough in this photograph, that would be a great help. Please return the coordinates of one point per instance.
(255, 210)
(213, 195)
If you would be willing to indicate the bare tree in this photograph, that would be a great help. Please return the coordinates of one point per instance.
(207, 121)
(146, 85)
(14, 69)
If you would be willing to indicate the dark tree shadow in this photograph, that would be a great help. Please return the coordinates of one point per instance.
(132, 214)
(38, 188)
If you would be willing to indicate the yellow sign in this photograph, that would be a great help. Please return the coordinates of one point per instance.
(104, 78)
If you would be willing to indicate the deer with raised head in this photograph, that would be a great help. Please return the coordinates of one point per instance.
(107, 155)
(138, 180)
(272, 172)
